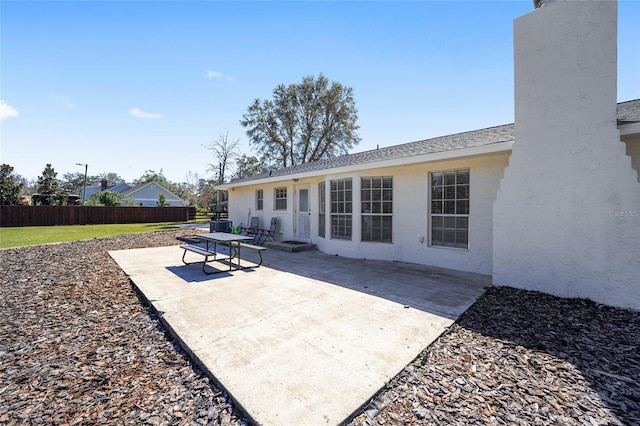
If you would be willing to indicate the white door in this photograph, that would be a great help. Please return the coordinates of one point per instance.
(302, 212)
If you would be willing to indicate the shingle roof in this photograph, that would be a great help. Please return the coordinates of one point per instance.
(628, 112)
(471, 139)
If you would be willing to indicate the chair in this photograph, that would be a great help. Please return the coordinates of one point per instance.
(254, 226)
(263, 235)
(270, 234)
(257, 237)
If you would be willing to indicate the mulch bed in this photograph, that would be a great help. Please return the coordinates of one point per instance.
(522, 358)
(77, 346)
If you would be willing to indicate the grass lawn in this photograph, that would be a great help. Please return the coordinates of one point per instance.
(34, 235)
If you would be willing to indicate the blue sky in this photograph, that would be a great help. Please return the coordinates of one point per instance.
(132, 86)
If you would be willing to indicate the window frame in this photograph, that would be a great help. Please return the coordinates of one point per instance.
(449, 208)
(259, 199)
(322, 205)
(341, 208)
(376, 208)
(280, 195)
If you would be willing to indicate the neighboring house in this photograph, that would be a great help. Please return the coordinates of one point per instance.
(121, 187)
(550, 203)
(144, 194)
(147, 195)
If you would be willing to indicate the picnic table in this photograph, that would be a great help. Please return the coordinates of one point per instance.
(233, 241)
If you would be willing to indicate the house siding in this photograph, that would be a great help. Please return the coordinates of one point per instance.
(554, 198)
(411, 189)
(633, 150)
(148, 195)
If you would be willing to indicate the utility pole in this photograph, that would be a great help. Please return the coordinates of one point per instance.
(218, 209)
(84, 186)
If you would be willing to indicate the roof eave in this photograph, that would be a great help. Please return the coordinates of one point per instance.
(403, 161)
(629, 129)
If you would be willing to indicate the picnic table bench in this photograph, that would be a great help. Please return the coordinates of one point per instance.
(199, 250)
(258, 249)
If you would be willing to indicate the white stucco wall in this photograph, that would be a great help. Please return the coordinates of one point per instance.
(567, 214)
(242, 207)
(411, 189)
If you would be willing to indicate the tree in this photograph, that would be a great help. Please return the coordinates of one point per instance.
(162, 201)
(73, 182)
(49, 190)
(308, 121)
(112, 178)
(207, 196)
(105, 198)
(223, 152)
(247, 166)
(28, 185)
(9, 187)
(152, 176)
(188, 190)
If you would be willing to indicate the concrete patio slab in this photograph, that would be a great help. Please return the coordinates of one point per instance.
(307, 338)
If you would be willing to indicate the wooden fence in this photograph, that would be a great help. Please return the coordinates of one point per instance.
(90, 215)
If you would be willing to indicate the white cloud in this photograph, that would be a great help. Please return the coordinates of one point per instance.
(7, 111)
(137, 112)
(217, 74)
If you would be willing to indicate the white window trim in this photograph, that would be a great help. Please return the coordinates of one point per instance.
(285, 198)
(261, 199)
(430, 214)
(331, 214)
(370, 214)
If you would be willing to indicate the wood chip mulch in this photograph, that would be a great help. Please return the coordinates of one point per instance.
(521, 358)
(77, 346)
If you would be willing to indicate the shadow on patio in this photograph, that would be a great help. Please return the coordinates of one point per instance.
(440, 291)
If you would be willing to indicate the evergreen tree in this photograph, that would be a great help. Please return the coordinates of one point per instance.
(162, 201)
(49, 188)
(9, 187)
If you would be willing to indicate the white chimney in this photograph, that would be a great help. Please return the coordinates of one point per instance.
(557, 224)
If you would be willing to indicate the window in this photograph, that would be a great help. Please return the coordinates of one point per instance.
(376, 199)
(341, 209)
(280, 195)
(259, 199)
(321, 210)
(450, 209)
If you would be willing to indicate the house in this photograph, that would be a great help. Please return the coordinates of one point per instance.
(144, 194)
(549, 203)
(104, 186)
(148, 193)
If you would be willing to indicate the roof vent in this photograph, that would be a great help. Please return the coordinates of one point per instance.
(540, 3)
